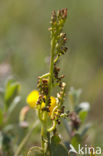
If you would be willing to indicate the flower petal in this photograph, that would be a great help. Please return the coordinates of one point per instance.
(32, 98)
(52, 104)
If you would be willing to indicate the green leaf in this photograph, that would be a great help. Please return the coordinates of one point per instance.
(1, 117)
(74, 96)
(11, 91)
(58, 149)
(75, 141)
(35, 151)
(56, 139)
(85, 129)
(13, 105)
(8, 128)
(83, 115)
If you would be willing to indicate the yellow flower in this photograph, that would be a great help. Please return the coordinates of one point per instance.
(32, 99)
(52, 104)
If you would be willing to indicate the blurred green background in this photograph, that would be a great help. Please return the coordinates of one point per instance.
(25, 46)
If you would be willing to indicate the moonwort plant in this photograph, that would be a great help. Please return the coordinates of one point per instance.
(49, 107)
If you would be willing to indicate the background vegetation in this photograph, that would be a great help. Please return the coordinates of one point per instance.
(25, 43)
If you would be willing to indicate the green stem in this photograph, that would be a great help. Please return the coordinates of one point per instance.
(43, 129)
(49, 142)
(51, 62)
(51, 68)
(36, 148)
(24, 141)
(56, 59)
(53, 126)
(44, 138)
(45, 75)
(42, 135)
